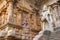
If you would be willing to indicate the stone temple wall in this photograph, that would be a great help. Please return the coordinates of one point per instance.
(18, 20)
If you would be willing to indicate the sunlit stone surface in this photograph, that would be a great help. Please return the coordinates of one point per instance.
(28, 19)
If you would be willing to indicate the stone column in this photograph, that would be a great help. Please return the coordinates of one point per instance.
(10, 10)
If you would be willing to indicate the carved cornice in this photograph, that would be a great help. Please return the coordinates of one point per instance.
(20, 4)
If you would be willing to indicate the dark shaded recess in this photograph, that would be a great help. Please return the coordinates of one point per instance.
(37, 2)
(25, 11)
(47, 33)
(13, 38)
(19, 9)
(36, 31)
(37, 12)
(27, 24)
(58, 2)
(31, 6)
(31, 15)
(14, 2)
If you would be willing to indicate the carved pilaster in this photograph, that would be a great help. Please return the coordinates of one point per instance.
(10, 10)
